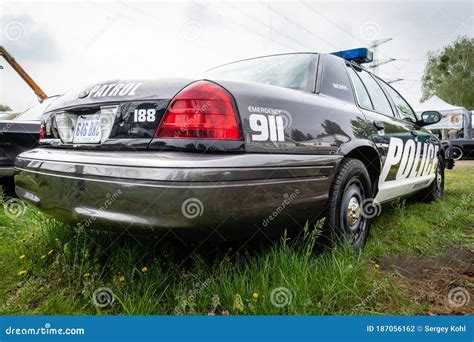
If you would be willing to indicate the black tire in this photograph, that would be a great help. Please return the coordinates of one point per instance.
(349, 195)
(457, 152)
(435, 191)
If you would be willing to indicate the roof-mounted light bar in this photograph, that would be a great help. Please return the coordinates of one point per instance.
(360, 55)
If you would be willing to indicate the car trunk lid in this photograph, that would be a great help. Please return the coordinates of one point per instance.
(109, 114)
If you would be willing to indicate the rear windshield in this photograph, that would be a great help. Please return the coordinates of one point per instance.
(295, 71)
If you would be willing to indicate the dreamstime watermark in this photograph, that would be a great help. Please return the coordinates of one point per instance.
(103, 297)
(110, 199)
(47, 329)
(287, 200)
(281, 297)
(191, 30)
(287, 118)
(106, 26)
(14, 208)
(192, 208)
(13, 299)
(14, 30)
(193, 120)
(458, 297)
(370, 209)
(461, 207)
(364, 304)
(6, 128)
(191, 297)
(370, 30)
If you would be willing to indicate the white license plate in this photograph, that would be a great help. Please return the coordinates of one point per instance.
(87, 130)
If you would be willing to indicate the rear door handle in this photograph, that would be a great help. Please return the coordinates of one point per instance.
(414, 133)
(379, 125)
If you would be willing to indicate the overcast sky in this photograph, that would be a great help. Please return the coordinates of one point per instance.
(66, 45)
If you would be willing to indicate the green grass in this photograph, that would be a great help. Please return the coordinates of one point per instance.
(221, 280)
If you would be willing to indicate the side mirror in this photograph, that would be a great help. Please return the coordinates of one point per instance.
(430, 117)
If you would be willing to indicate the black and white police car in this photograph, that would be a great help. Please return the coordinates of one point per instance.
(259, 145)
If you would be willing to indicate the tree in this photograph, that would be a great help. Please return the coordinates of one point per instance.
(4, 108)
(449, 74)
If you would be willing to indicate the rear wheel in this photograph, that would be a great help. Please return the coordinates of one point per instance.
(345, 218)
(435, 191)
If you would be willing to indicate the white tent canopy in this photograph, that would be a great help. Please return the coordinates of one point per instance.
(451, 116)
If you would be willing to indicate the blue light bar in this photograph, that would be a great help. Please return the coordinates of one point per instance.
(360, 55)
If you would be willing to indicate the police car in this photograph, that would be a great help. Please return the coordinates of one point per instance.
(256, 146)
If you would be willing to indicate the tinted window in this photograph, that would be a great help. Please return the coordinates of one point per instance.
(361, 93)
(403, 108)
(296, 71)
(379, 100)
(334, 80)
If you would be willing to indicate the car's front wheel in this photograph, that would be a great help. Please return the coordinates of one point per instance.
(345, 217)
(435, 191)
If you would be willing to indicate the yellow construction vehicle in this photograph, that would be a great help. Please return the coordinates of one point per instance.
(23, 74)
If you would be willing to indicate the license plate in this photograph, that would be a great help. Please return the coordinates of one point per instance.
(87, 130)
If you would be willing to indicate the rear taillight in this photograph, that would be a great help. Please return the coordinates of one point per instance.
(41, 132)
(202, 110)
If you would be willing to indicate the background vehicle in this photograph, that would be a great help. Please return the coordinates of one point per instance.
(462, 148)
(260, 145)
(8, 115)
(16, 136)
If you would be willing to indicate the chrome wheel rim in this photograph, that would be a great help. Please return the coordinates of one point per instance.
(352, 220)
(353, 212)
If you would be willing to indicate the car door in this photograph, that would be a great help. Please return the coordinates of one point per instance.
(427, 145)
(396, 139)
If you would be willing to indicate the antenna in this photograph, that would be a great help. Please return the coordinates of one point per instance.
(378, 42)
(378, 62)
(374, 46)
(394, 80)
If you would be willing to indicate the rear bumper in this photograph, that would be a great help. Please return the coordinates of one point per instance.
(188, 193)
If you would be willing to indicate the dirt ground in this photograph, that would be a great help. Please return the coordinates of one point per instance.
(429, 280)
(464, 164)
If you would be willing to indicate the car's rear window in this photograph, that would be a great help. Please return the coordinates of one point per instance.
(296, 71)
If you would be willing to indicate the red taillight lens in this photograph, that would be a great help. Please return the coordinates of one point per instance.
(202, 110)
(41, 132)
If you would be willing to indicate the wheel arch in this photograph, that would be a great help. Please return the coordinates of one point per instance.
(368, 154)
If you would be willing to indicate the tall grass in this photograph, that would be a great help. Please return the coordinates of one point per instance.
(65, 265)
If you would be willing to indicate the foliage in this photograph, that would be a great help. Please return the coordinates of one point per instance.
(4, 108)
(449, 74)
